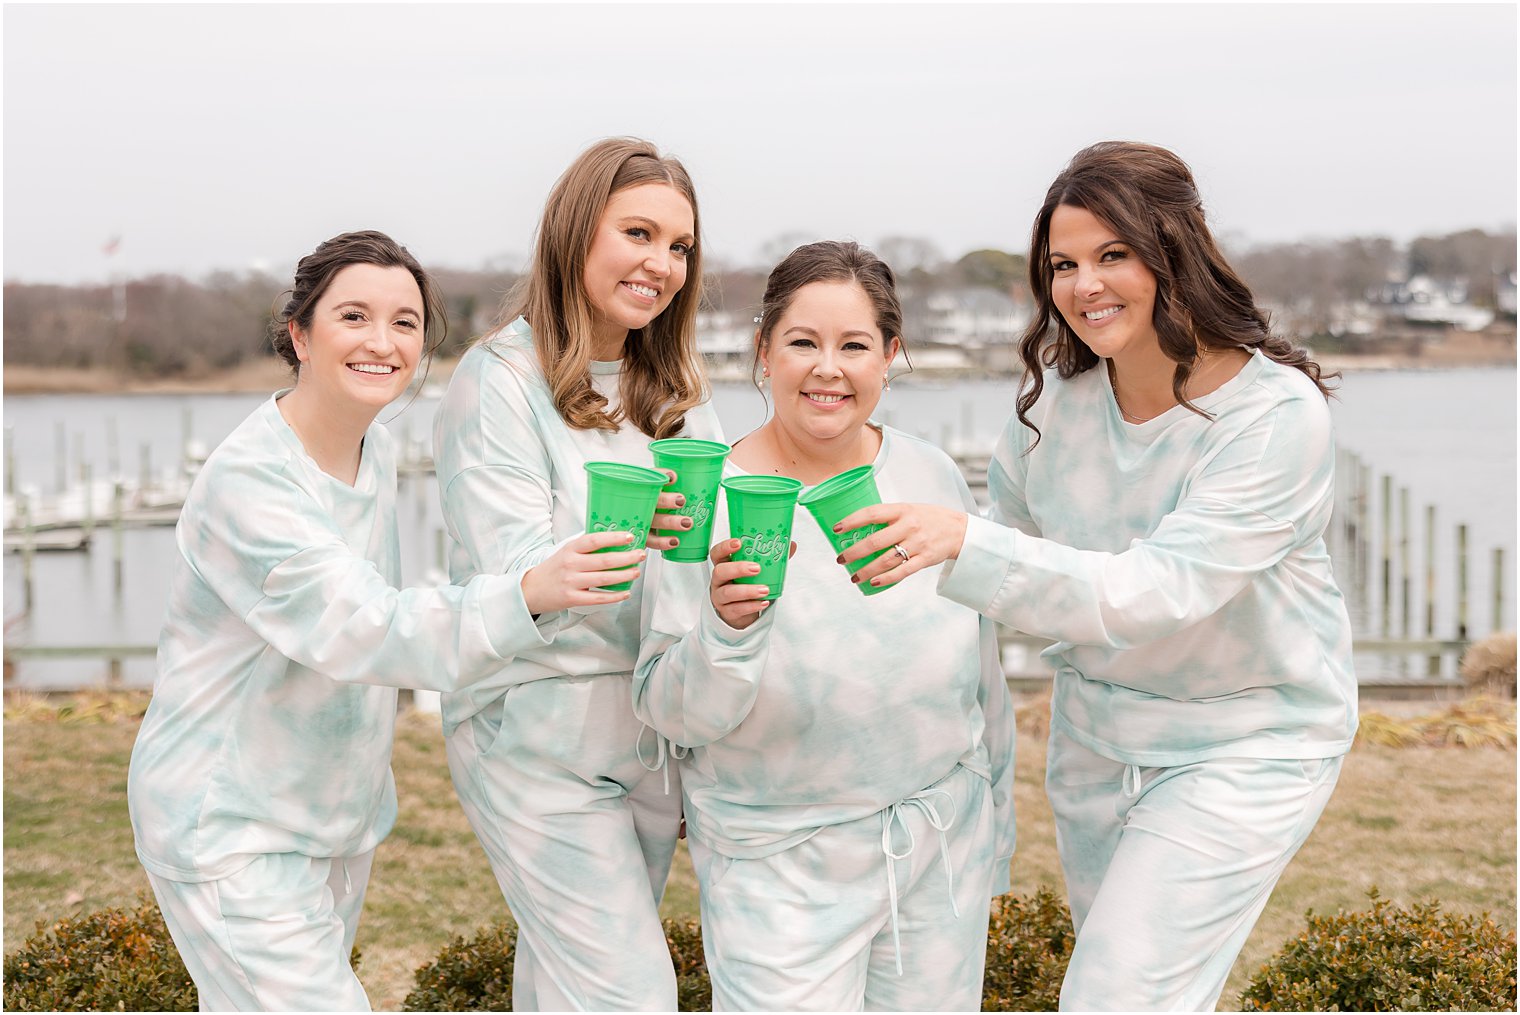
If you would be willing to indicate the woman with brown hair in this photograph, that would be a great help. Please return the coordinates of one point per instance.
(1159, 508)
(598, 358)
(849, 786)
(260, 783)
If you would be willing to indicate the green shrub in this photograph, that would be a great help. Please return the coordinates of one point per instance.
(1029, 941)
(110, 959)
(693, 986)
(1389, 959)
(473, 975)
(476, 974)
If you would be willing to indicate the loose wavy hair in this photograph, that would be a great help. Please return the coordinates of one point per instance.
(1147, 195)
(663, 377)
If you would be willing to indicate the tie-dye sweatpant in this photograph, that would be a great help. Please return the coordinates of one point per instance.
(580, 833)
(1167, 869)
(886, 913)
(274, 936)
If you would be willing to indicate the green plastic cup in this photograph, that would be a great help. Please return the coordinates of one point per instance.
(760, 511)
(839, 497)
(621, 498)
(698, 466)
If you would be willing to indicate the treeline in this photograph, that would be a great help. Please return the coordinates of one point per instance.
(169, 325)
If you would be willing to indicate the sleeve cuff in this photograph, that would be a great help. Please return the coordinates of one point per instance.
(510, 628)
(715, 629)
(974, 578)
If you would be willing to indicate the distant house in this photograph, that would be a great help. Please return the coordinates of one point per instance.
(1422, 300)
(967, 328)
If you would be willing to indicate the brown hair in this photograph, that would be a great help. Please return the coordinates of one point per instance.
(663, 377)
(1147, 195)
(315, 272)
(828, 261)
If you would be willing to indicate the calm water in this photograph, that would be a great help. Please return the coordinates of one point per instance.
(1449, 436)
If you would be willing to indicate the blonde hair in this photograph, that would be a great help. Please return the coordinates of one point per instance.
(663, 377)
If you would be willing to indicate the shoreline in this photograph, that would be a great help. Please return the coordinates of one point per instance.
(271, 375)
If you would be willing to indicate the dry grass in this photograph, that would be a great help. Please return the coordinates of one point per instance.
(1418, 822)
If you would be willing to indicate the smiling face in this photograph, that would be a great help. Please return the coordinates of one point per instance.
(365, 339)
(1102, 289)
(828, 361)
(636, 262)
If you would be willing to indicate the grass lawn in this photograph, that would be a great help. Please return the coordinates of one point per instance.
(1417, 822)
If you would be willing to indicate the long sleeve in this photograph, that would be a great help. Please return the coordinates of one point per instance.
(696, 677)
(1240, 513)
(267, 548)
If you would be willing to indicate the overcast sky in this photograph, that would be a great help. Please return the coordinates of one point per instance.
(229, 137)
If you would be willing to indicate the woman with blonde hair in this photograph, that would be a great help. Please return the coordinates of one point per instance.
(1160, 501)
(562, 784)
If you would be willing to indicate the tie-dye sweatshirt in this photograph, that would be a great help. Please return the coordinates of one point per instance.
(513, 480)
(833, 705)
(266, 733)
(1180, 565)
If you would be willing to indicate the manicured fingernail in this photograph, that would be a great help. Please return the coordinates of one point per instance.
(855, 578)
(839, 528)
(680, 500)
(764, 590)
(876, 583)
(675, 541)
(686, 523)
(754, 569)
(839, 559)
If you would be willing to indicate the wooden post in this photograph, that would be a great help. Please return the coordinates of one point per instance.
(116, 540)
(1498, 589)
(1387, 563)
(85, 480)
(10, 461)
(113, 450)
(113, 672)
(1364, 526)
(1404, 560)
(28, 550)
(1462, 582)
(61, 457)
(186, 436)
(1433, 665)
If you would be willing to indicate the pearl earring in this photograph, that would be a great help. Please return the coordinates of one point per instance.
(886, 382)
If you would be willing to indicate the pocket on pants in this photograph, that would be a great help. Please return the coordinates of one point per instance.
(274, 885)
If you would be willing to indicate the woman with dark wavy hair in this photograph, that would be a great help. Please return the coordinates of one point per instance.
(596, 358)
(1160, 501)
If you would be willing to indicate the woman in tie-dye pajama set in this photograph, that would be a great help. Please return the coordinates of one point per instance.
(849, 782)
(260, 783)
(1159, 510)
(566, 790)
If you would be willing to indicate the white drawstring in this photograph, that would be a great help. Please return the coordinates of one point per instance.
(940, 825)
(1131, 781)
(664, 750)
(348, 886)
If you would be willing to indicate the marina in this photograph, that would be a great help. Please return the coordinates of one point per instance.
(1425, 565)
